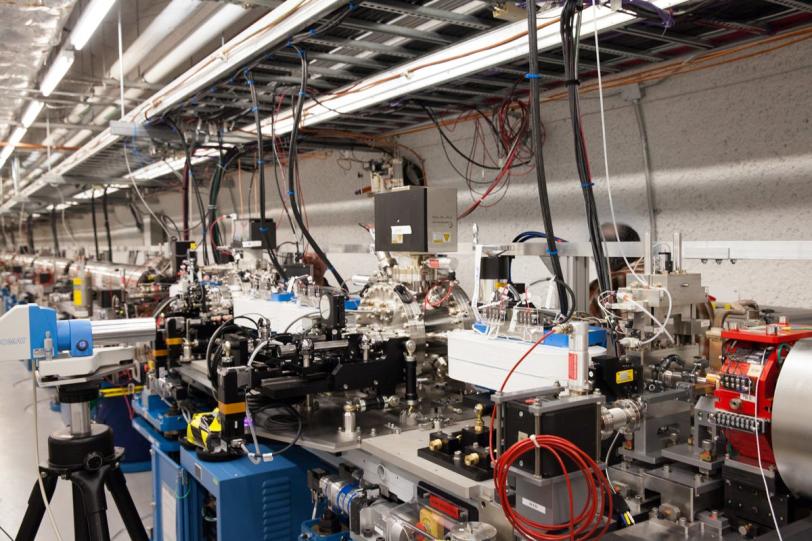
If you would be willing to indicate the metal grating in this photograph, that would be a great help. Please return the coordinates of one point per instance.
(380, 35)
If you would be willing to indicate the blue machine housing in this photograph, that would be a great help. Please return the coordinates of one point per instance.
(264, 502)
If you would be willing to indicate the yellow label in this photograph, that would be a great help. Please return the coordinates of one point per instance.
(624, 376)
(193, 246)
(77, 281)
(77, 297)
(174, 341)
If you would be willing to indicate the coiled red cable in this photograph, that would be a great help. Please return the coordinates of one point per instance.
(582, 527)
(589, 522)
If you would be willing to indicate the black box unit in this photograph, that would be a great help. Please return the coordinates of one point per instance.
(180, 251)
(577, 422)
(249, 235)
(416, 219)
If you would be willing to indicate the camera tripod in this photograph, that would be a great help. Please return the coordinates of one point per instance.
(85, 455)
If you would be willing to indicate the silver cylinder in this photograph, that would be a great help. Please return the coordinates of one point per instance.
(791, 429)
(123, 331)
(625, 414)
(80, 419)
(578, 369)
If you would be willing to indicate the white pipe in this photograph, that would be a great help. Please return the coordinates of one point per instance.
(214, 26)
(166, 22)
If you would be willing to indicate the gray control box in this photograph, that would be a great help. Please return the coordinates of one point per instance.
(416, 219)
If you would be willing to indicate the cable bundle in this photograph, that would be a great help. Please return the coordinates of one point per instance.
(570, 33)
(587, 524)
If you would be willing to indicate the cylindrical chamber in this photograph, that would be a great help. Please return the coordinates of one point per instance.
(578, 370)
(623, 414)
(791, 429)
(123, 331)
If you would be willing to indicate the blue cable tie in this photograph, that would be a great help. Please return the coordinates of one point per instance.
(260, 162)
(254, 109)
(552, 252)
(302, 94)
(532, 76)
(312, 32)
(263, 229)
(352, 6)
(586, 185)
(291, 193)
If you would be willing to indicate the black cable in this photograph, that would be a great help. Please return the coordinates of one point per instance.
(223, 164)
(6, 533)
(107, 227)
(299, 430)
(263, 227)
(139, 223)
(292, 159)
(191, 181)
(162, 306)
(569, 49)
(166, 219)
(54, 232)
(276, 165)
(29, 233)
(454, 147)
(541, 175)
(95, 227)
(219, 330)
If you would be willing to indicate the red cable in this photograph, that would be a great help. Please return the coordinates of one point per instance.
(442, 301)
(544, 337)
(588, 521)
(581, 527)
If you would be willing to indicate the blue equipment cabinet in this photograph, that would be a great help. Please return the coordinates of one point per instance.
(241, 501)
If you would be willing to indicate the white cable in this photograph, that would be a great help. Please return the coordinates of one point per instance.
(608, 456)
(655, 320)
(605, 151)
(758, 453)
(141, 197)
(256, 352)
(45, 501)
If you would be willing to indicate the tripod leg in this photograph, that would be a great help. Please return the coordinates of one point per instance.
(117, 484)
(91, 486)
(36, 507)
(79, 517)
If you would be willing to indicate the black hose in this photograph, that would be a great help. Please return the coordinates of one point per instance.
(107, 227)
(541, 175)
(190, 180)
(263, 227)
(162, 306)
(54, 232)
(292, 158)
(95, 228)
(29, 222)
(569, 49)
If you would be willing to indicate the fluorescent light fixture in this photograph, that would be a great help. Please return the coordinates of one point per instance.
(60, 66)
(166, 167)
(271, 29)
(505, 44)
(166, 22)
(98, 192)
(16, 136)
(203, 34)
(63, 206)
(89, 21)
(31, 114)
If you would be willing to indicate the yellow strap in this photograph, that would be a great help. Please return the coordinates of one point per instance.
(228, 409)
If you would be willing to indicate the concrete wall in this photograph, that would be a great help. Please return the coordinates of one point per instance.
(731, 153)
